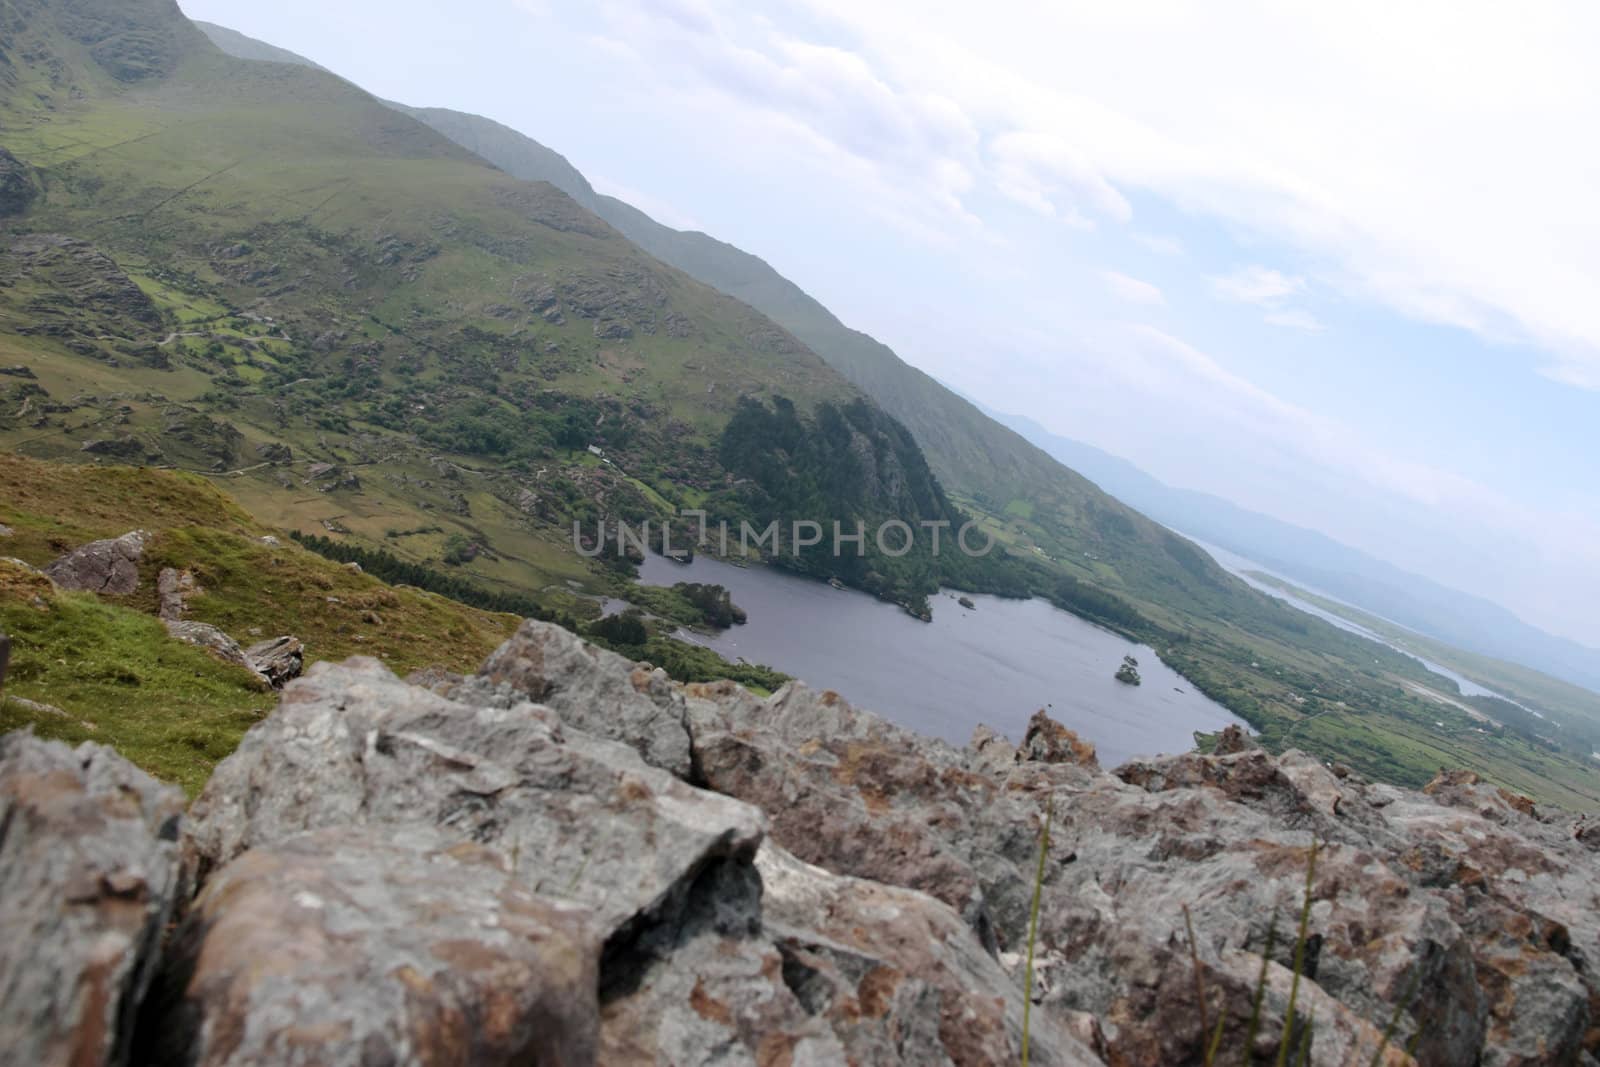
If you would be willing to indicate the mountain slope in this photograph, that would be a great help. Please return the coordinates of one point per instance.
(239, 46)
(274, 272)
(1032, 502)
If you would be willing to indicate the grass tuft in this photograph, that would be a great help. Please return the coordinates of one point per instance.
(1033, 929)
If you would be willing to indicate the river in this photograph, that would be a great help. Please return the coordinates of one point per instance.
(1245, 569)
(995, 664)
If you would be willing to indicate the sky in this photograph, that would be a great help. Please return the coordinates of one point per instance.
(1338, 263)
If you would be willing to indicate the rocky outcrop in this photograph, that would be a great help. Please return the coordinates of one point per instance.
(693, 965)
(413, 946)
(88, 876)
(590, 688)
(1049, 742)
(275, 663)
(280, 660)
(213, 640)
(1233, 740)
(352, 744)
(110, 568)
(83, 298)
(174, 590)
(1468, 909)
(18, 187)
(461, 874)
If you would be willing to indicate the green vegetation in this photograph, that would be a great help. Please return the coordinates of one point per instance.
(82, 670)
(396, 571)
(111, 673)
(686, 603)
(258, 272)
(850, 467)
(630, 634)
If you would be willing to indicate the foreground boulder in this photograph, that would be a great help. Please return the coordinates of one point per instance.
(88, 876)
(351, 744)
(407, 947)
(590, 688)
(835, 889)
(670, 882)
(107, 567)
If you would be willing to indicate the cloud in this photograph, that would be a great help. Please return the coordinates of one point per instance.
(1257, 285)
(1434, 167)
(1132, 290)
(1269, 289)
(1048, 174)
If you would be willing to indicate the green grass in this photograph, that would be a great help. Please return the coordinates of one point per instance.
(121, 681)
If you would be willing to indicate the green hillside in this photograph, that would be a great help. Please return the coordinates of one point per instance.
(256, 271)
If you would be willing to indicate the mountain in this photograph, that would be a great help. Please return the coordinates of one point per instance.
(412, 357)
(1034, 501)
(1423, 605)
(270, 269)
(237, 44)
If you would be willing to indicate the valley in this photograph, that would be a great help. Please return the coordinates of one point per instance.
(366, 331)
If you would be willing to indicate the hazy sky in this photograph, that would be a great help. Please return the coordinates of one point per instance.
(1337, 262)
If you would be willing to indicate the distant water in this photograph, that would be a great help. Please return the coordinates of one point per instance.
(997, 664)
(1241, 567)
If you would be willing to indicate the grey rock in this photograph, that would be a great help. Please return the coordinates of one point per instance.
(991, 752)
(591, 688)
(1483, 905)
(107, 567)
(37, 707)
(174, 590)
(213, 640)
(280, 660)
(1233, 739)
(345, 947)
(581, 817)
(1047, 741)
(896, 973)
(705, 950)
(88, 874)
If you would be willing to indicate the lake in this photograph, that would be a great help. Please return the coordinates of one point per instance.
(996, 664)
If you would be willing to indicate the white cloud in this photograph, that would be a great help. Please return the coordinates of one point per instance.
(1132, 290)
(1269, 289)
(1258, 285)
(1428, 156)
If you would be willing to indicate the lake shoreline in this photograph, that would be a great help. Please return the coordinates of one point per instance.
(994, 664)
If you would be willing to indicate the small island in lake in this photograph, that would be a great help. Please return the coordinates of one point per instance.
(1128, 673)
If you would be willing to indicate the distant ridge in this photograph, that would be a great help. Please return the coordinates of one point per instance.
(1421, 604)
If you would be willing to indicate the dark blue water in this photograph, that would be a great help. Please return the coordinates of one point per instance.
(997, 664)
